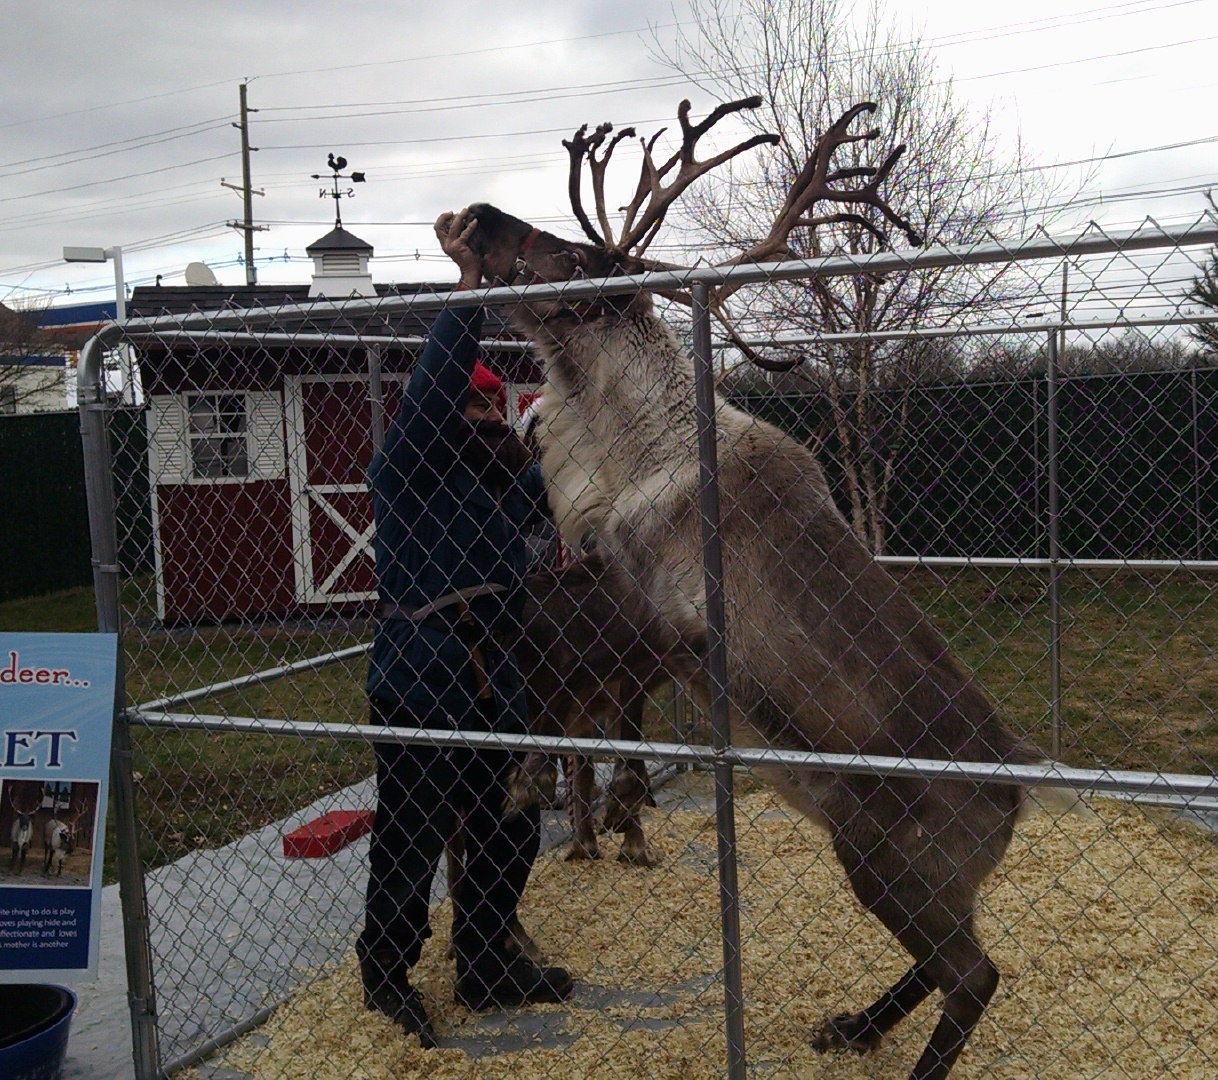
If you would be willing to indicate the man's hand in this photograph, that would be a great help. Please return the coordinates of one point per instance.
(453, 232)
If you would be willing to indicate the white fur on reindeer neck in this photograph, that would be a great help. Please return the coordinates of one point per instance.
(617, 416)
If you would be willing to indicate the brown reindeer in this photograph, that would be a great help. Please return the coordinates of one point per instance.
(825, 652)
(587, 672)
(587, 663)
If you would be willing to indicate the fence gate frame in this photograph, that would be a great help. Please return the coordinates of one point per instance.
(722, 756)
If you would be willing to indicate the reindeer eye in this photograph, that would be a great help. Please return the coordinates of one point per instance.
(578, 260)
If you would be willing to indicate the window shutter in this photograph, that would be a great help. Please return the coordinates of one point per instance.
(264, 431)
(168, 449)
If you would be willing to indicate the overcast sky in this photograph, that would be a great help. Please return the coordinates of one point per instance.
(116, 120)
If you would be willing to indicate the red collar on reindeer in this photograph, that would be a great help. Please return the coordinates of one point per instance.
(520, 266)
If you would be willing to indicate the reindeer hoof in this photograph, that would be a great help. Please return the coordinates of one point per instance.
(846, 1031)
(642, 858)
(580, 853)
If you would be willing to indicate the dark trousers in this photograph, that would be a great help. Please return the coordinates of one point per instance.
(422, 791)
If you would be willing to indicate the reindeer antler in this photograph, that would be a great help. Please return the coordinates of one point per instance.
(815, 182)
(645, 212)
(13, 785)
(652, 197)
(581, 147)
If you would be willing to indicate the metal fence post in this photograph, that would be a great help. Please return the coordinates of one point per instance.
(1055, 608)
(725, 811)
(376, 396)
(1195, 418)
(103, 535)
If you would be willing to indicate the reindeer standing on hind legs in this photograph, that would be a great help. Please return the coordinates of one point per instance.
(825, 652)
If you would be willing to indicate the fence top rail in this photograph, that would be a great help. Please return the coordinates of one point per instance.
(414, 341)
(283, 337)
(1040, 245)
(1050, 773)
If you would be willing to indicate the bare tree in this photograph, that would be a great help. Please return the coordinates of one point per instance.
(28, 372)
(1204, 292)
(810, 61)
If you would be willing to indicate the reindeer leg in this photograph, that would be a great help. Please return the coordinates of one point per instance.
(630, 789)
(921, 879)
(862, 1031)
(530, 782)
(454, 860)
(627, 796)
(959, 967)
(579, 804)
(547, 783)
(519, 942)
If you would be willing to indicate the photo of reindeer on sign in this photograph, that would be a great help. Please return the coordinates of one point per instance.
(50, 827)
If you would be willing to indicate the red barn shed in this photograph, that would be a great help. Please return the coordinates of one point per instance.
(258, 445)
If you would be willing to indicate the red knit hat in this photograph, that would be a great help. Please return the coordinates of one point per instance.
(486, 382)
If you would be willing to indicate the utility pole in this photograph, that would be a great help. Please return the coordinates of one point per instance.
(246, 190)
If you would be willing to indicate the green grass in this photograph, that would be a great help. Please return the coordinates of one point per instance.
(1139, 679)
(1139, 670)
(69, 611)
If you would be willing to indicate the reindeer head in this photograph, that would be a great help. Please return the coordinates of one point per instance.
(515, 253)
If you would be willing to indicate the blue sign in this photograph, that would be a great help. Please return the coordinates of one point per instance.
(56, 715)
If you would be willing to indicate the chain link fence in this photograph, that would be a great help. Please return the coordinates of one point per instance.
(1034, 474)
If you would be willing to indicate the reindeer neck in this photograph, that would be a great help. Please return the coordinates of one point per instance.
(627, 375)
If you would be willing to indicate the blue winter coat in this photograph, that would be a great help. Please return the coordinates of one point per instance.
(438, 529)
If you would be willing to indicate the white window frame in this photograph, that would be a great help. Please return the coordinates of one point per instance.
(223, 435)
(171, 440)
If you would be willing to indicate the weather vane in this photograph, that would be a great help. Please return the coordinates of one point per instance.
(337, 164)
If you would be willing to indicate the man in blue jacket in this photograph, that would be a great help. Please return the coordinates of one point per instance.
(453, 490)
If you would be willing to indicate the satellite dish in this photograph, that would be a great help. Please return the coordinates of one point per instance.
(198, 273)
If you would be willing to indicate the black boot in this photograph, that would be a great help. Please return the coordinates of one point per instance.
(387, 990)
(504, 984)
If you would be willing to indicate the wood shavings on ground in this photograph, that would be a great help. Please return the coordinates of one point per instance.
(1105, 930)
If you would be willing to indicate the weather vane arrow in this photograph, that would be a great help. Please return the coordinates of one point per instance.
(337, 164)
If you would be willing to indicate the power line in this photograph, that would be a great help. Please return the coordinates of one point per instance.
(1100, 14)
(116, 179)
(123, 145)
(1056, 22)
(467, 101)
(1084, 59)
